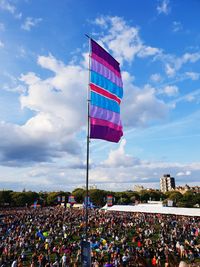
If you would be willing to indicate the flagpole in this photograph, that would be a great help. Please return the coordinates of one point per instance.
(88, 146)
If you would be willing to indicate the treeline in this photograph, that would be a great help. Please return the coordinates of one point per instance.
(98, 197)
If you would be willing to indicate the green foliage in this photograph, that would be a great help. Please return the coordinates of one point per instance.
(197, 199)
(134, 196)
(18, 199)
(5, 197)
(79, 194)
(30, 197)
(42, 198)
(144, 196)
(188, 196)
(52, 197)
(189, 200)
(175, 196)
(98, 196)
(123, 201)
(155, 195)
(122, 198)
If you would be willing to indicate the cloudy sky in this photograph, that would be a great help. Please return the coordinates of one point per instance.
(43, 84)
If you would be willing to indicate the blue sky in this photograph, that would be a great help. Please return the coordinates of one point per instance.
(43, 83)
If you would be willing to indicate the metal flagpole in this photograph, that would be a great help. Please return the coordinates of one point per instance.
(85, 244)
(88, 143)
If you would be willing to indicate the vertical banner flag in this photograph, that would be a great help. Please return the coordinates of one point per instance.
(106, 90)
(35, 204)
(71, 199)
(63, 198)
(58, 198)
(86, 201)
(109, 201)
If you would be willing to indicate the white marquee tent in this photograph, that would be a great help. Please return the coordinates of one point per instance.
(156, 208)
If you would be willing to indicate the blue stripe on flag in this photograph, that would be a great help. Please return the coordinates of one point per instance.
(102, 82)
(103, 102)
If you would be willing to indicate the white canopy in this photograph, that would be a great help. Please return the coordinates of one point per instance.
(156, 208)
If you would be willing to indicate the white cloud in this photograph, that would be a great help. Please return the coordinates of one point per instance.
(193, 75)
(188, 57)
(6, 5)
(58, 95)
(30, 23)
(30, 78)
(140, 105)
(118, 157)
(177, 26)
(172, 63)
(59, 103)
(17, 89)
(170, 90)
(185, 173)
(148, 51)
(13, 84)
(51, 63)
(190, 98)
(59, 113)
(1, 44)
(163, 7)
(123, 40)
(21, 52)
(2, 27)
(170, 71)
(156, 77)
(18, 15)
(143, 172)
(125, 43)
(193, 96)
(101, 22)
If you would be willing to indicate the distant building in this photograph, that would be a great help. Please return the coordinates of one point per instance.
(184, 189)
(138, 188)
(167, 183)
(90, 187)
(93, 186)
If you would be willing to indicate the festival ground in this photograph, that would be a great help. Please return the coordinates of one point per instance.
(51, 236)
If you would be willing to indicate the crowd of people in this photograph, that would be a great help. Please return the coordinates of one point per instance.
(51, 236)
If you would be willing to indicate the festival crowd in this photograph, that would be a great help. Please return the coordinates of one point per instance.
(51, 236)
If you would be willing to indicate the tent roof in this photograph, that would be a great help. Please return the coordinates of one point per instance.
(156, 208)
(105, 207)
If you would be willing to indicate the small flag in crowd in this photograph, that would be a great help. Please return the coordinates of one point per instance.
(106, 90)
(71, 199)
(35, 204)
(109, 201)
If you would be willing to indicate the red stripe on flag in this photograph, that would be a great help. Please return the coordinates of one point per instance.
(105, 63)
(103, 92)
(99, 122)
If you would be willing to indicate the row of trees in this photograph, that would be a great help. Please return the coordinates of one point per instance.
(98, 197)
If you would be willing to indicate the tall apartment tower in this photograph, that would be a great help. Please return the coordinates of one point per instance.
(167, 183)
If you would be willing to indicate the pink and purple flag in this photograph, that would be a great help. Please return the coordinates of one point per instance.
(106, 90)
(71, 199)
(109, 201)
